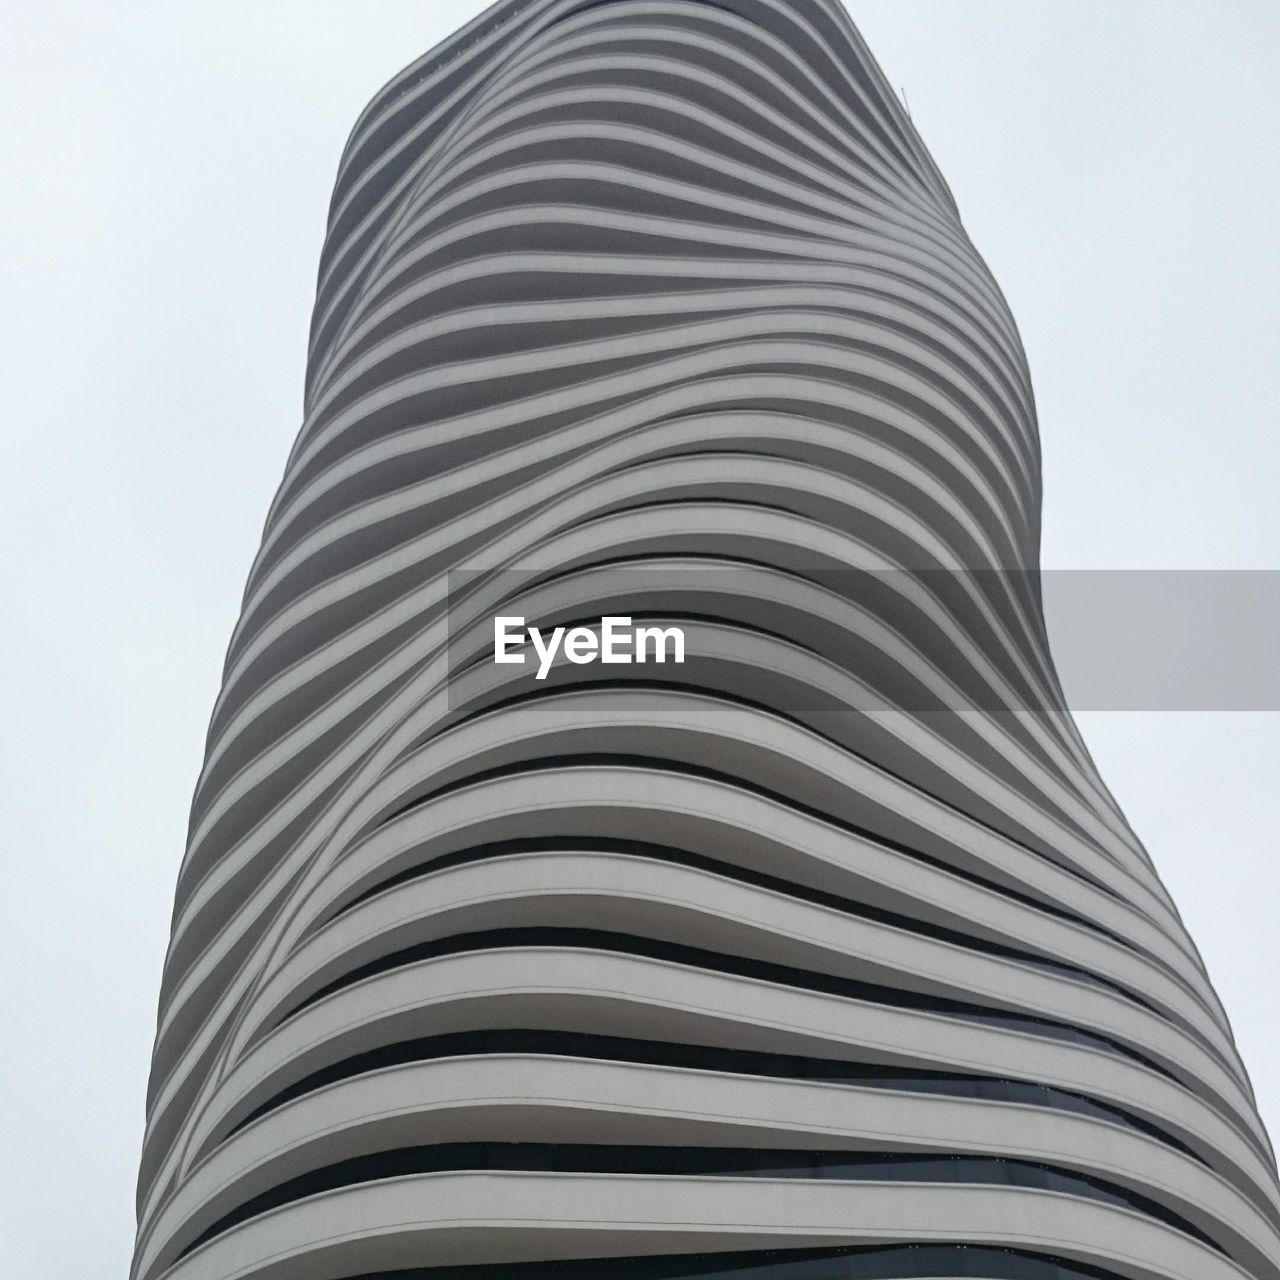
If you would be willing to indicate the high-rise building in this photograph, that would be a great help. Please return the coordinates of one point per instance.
(823, 954)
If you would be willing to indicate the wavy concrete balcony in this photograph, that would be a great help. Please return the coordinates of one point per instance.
(826, 954)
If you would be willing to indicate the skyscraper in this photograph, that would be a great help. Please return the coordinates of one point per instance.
(824, 953)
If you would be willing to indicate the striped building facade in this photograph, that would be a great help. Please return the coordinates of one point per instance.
(824, 955)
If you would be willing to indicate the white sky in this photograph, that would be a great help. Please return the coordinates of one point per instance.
(166, 170)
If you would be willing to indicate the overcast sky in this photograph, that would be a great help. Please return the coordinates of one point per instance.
(166, 171)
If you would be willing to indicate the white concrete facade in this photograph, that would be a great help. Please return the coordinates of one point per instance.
(824, 954)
